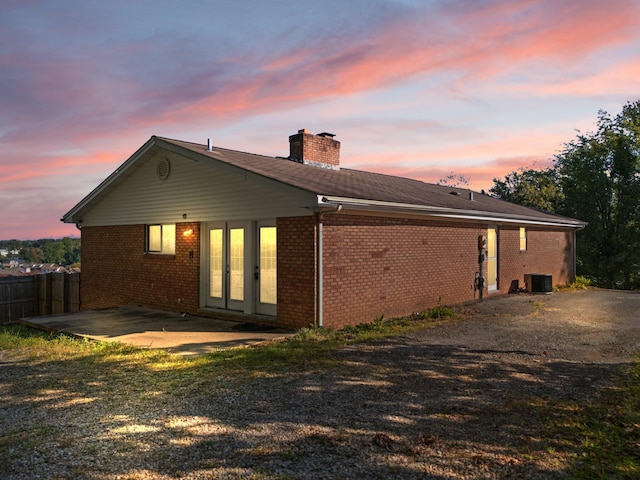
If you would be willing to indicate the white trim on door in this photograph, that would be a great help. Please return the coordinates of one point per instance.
(232, 267)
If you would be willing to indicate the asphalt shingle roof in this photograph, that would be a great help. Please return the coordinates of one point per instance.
(362, 185)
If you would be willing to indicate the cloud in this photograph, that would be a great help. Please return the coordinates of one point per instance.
(479, 158)
(488, 40)
(408, 84)
(480, 176)
(619, 78)
(33, 211)
(164, 78)
(53, 166)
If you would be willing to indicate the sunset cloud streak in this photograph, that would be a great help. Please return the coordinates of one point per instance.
(417, 89)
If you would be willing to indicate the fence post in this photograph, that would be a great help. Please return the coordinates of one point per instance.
(18, 298)
(57, 293)
(72, 292)
(30, 296)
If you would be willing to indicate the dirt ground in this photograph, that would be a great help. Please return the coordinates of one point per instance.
(601, 326)
(470, 398)
(480, 386)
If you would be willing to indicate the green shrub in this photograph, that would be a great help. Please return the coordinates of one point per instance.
(436, 312)
(377, 325)
(581, 283)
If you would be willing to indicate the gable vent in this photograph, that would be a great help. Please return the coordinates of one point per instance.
(163, 168)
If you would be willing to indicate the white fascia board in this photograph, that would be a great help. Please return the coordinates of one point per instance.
(439, 212)
(69, 217)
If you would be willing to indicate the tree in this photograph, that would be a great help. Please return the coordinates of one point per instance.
(539, 189)
(54, 252)
(32, 254)
(11, 246)
(71, 249)
(600, 178)
(65, 251)
(453, 180)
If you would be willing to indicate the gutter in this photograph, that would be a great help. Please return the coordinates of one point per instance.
(442, 212)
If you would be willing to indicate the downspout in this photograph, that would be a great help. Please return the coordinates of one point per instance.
(319, 272)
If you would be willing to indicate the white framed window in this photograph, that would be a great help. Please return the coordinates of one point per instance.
(161, 238)
(523, 239)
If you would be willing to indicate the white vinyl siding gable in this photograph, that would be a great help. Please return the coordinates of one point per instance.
(204, 192)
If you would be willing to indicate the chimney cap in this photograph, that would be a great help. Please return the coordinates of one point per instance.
(327, 134)
(304, 130)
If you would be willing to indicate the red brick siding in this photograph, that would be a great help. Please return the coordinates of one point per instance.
(314, 148)
(296, 271)
(547, 251)
(373, 266)
(116, 270)
(381, 266)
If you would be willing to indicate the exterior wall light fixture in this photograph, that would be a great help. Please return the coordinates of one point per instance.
(188, 232)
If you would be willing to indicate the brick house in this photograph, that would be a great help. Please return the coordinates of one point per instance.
(300, 241)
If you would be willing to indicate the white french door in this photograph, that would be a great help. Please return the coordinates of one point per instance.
(267, 269)
(240, 266)
(228, 262)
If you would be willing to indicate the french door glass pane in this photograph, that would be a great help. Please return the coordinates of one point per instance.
(492, 258)
(268, 265)
(216, 262)
(236, 264)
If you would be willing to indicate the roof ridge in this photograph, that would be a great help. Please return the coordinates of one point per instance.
(214, 147)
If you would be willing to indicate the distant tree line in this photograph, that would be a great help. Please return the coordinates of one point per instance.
(594, 178)
(64, 251)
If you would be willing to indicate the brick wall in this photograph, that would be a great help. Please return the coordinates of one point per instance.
(305, 147)
(547, 251)
(116, 270)
(373, 266)
(296, 271)
(381, 266)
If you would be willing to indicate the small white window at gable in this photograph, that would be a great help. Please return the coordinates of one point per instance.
(523, 239)
(161, 239)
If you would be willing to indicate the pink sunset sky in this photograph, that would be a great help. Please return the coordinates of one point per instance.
(412, 88)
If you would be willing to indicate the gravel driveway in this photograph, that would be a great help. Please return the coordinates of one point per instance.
(468, 398)
(601, 326)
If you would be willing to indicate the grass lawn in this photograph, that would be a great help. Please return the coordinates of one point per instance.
(601, 437)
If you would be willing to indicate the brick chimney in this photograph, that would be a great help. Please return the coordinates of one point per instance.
(319, 150)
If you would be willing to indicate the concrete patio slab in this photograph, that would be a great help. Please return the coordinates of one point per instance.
(185, 335)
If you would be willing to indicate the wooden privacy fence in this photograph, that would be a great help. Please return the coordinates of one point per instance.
(37, 295)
